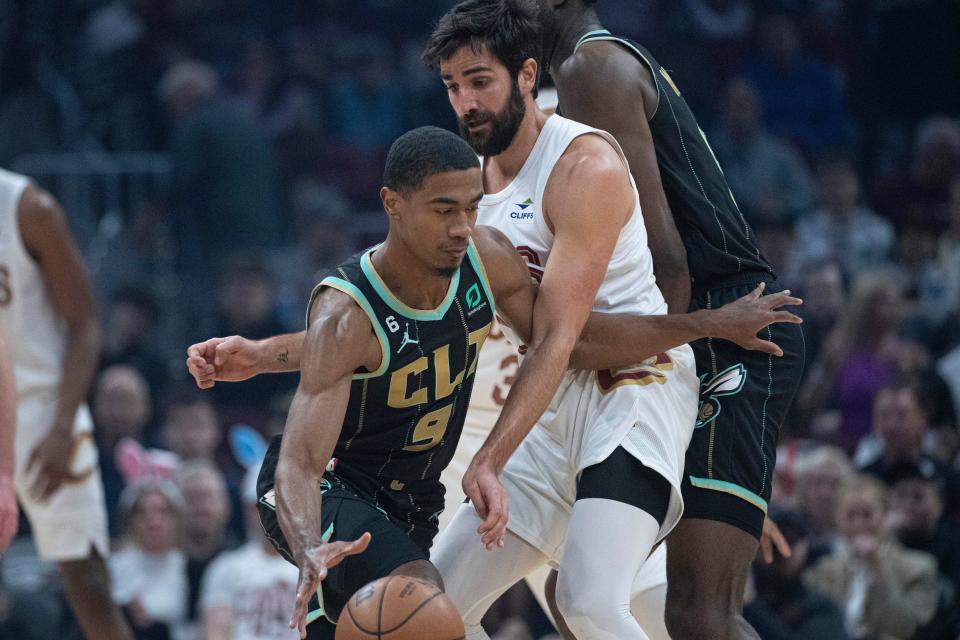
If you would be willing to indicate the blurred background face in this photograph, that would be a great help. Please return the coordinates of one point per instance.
(839, 187)
(129, 324)
(827, 293)
(817, 492)
(191, 430)
(153, 523)
(246, 298)
(779, 40)
(207, 506)
(121, 403)
(741, 107)
(860, 512)
(919, 505)
(899, 420)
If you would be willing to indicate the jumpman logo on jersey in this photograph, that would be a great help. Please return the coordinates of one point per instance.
(407, 339)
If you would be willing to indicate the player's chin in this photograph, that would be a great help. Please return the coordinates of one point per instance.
(449, 265)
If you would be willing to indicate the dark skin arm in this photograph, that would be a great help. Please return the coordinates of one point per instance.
(604, 86)
(339, 341)
(46, 236)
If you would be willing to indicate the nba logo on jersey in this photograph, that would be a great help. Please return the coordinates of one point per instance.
(524, 214)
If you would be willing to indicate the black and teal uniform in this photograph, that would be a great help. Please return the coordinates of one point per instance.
(744, 395)
(401, 427)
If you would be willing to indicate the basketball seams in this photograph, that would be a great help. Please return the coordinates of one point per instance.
(383, 595)
(379, 633)
(412, 613)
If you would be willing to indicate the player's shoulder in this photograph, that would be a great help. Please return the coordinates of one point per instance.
(338, 312)
(589, 156)
(491, 243)
(601, 68)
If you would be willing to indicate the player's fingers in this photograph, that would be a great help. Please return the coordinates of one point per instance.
(226, 347)
(53, 483)
(785, 316)
(757, 292)
(337, 551)
(780, 541)
(781, 299)
(766, 347)
(476, 499)
(766, 549)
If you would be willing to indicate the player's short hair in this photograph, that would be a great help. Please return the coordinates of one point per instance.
(509, 29)
(423, 152)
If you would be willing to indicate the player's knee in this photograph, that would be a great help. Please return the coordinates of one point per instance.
(589, 612)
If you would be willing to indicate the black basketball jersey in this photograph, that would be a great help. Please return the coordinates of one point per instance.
(721, 248)
(404, 420)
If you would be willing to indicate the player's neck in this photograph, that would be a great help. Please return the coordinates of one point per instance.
(500, 170)
(568, 35)
(409, 280)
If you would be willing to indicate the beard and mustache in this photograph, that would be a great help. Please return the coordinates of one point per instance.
(503, 125)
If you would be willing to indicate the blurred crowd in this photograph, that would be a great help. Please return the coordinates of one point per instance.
(836, 123)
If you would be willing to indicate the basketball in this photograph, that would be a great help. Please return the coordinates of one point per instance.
(400, 608)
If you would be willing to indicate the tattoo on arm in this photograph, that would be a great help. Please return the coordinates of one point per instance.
(283, 356)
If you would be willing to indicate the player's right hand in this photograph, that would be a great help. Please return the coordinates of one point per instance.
(314, 564)
(9, 516)
(231, 359)
(489, 497)
(742, 319)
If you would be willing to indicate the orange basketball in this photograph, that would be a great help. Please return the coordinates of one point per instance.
(399, 608)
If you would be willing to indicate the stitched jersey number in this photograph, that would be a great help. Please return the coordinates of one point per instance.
(430, 429)
(6, 290)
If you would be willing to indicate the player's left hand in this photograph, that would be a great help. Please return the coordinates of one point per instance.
(8, 512)
(50, 461)
(771, 537)
(742, 319)
(481, 483)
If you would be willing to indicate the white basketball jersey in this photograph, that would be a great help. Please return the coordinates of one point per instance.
(629, 285)
(35, 332)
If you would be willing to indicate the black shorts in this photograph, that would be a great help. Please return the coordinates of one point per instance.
(744, 398)
(346, 513)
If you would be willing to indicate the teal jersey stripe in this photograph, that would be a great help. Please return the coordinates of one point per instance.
(360, 299)
(732, 489)
(394, 303)
(474, 256)
(320, 611)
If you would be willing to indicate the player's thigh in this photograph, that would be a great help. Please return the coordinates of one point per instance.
(744, 399)
(698, 576)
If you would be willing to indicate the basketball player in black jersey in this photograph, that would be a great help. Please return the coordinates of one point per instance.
(352, 491)
(704, 255)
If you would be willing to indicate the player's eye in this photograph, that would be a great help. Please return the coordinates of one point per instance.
(473, 208)
(443, 212)
(451, 88)
(480, 83)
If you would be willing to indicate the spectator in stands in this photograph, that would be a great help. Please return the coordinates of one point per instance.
(858, 358)
(133, 314)
(900, 423)
(767, 176)
(206, 514)
(824, 290)
(842, 229)
(885, 591)
(148, 575)
(917, 503)
(247, 593)
(226, 189)
(802, 99)
(820, 474)
(191, 428)
(121, 409)
(784, 608)
(940, 283)
(247, 306)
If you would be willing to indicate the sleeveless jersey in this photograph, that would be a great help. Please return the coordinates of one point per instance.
(721, 247)
(404, 420)
(629, 285)
(36, 334)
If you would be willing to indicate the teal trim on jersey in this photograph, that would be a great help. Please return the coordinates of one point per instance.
(394, 303)
(474, 256)
(589, 35)
(358, 297)
(732, 489)
(320, 611)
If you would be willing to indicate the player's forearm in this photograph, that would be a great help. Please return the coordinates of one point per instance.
(673, 279)
(536, 383)
(615, 341)
(308, 443)
(80, 365)
(280, 354)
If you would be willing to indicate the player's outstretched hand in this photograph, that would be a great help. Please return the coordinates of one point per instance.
(742, 319)
(8, 512)
(771, 538)
(314, 565)
(481, 483)
(230, 359)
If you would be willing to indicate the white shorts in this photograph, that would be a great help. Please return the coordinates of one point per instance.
(452, 477)
(74, 519)
(650, 410)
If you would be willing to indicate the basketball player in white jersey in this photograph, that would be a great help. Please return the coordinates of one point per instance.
(47, 313)
(590, 460)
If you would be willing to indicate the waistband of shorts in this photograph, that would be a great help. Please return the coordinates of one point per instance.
(754, 278)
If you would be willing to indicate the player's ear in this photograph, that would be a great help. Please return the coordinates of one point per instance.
(391, 201)
(527, 79)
